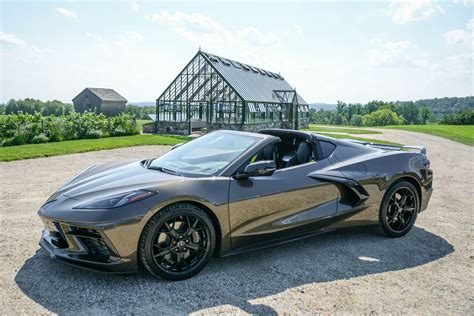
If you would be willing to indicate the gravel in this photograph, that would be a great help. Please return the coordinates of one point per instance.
(428, 271)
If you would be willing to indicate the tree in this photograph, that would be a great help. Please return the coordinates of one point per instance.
(464, 117)
(356, 120)
(382, 117)
(425, 114)
(409, 111)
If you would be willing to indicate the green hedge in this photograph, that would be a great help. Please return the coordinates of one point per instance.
(19, 129)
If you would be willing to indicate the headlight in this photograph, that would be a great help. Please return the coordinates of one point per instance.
(118, 200)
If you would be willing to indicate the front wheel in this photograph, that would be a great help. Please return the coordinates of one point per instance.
(177, 242)
(399, 209)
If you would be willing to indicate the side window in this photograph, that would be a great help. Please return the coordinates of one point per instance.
(327, 148)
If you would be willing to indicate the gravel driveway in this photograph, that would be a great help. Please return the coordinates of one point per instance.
(428, 271)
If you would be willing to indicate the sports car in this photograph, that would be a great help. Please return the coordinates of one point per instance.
(228, 192)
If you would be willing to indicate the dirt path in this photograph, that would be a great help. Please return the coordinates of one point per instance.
(428, 271)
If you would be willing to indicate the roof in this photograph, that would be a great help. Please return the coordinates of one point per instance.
(106, 94)
(250, 82)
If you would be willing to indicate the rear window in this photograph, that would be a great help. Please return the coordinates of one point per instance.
(327, 148)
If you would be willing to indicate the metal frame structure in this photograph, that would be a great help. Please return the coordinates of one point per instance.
(202, 97)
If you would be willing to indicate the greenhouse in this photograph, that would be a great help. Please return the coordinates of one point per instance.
(213, 92)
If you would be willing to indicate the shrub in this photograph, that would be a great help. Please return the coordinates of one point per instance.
(16, 129)
(463, 117)
(15, 141)
(41, 138)
(356, 120)
(382, 117)
(93, 133)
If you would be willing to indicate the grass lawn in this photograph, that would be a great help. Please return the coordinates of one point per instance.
(141, 122)
(84, 145)
(460, 133)
(338, 129)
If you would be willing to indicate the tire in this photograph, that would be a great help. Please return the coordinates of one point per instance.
(397, 219)
(177, 242)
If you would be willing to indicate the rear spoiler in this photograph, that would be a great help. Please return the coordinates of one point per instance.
(420, 149)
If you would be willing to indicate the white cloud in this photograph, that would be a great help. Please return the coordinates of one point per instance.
(135, 7)
(404, 11)
(20, 43)
(11, 39)
(127, 39)
(298, 29)
(67, 13)
(202, 29)
(464, 2)
(462, 36)
(394, 54)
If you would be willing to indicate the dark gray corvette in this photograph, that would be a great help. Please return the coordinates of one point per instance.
(228, 192)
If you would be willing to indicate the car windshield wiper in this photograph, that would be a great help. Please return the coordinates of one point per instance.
(165, 170)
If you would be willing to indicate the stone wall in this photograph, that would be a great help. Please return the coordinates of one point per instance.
(176, 128)
(181, 128)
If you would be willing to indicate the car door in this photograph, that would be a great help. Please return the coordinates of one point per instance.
(285, 205)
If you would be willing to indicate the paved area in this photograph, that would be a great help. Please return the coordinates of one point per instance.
(355, 271)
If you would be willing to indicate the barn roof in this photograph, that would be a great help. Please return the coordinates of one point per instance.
(106, 94)
(251, 83)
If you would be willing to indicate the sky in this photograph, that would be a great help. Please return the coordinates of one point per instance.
(353, 51)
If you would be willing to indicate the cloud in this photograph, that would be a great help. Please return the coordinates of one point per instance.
(127, 39)
(462, 36)
(135, 7)
(11, 39)
(67, 13)
(298, 29)
(404, 11)
(394, 54)
(464, 2)
(202, 29)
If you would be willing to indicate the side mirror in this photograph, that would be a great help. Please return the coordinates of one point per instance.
(256, 169)
(177, 145)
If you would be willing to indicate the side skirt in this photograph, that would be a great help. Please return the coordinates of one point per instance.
(256, 242)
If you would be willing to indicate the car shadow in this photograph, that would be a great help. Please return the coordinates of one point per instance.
(233, 280)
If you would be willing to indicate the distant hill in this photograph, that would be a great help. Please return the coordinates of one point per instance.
(445, 106)
(143, 103)
(324, 106)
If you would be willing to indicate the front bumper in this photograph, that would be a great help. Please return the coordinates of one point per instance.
(84, 248)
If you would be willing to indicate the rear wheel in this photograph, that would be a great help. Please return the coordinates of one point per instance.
(399, 209)
(177, 242)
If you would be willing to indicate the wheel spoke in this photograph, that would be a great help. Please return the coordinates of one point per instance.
(392, 219)
(401, 219)
(404, 199)
(196, 247)
(165, 252)
(174, 234)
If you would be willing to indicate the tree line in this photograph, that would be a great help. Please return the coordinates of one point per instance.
(453, 111)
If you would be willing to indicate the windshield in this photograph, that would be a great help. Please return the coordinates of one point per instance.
(205, 155)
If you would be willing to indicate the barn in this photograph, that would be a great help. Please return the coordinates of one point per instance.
(100, 100)
(214, 92)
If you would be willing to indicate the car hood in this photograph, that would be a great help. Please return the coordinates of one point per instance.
(112, 178)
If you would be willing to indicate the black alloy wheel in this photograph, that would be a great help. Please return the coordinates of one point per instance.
(178, 242)
(399, 209)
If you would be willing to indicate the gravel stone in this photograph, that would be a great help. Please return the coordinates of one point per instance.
(429, 271)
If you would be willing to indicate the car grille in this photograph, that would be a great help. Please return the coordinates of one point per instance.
(93, 242)
(58, 238)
